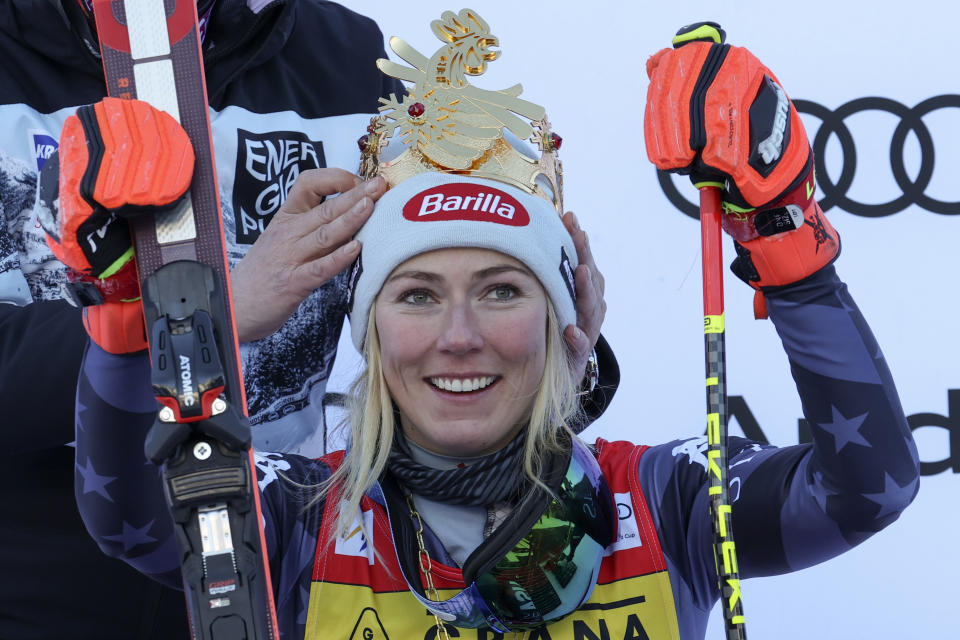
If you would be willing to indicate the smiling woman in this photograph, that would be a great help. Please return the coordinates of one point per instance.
(463, 347)
(465, 309)
(465, 504)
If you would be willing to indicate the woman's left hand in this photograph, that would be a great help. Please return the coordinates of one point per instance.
(591, 307)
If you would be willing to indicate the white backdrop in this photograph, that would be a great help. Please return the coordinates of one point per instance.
(586, 63)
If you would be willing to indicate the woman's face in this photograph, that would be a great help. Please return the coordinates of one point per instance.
(463, 345)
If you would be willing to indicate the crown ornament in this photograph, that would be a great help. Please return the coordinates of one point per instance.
(449, 125)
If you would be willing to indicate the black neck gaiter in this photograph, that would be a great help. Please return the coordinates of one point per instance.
(495, 477)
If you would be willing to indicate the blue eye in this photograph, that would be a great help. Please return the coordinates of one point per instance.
(417, 297)
(503, 292)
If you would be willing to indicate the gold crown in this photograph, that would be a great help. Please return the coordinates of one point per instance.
(453, 127)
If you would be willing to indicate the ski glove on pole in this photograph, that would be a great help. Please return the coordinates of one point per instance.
(716, 113)
(116, 158)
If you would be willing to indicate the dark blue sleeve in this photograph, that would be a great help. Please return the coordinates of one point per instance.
(796, 506)
(118, 490)
(120, 498)
(862, 469)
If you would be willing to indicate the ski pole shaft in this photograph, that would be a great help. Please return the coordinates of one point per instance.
(724, 549)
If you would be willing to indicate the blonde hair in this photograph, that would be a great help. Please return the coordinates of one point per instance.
(372, 424)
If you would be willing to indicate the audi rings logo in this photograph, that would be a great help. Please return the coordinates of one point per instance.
(913, 190)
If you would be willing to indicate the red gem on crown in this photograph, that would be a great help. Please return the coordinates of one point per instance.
(555, 140)
(363, 141)
(416, 110)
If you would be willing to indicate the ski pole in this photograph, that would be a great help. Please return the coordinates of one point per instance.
(724, 549)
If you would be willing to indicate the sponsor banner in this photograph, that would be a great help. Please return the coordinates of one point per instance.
(267, 166)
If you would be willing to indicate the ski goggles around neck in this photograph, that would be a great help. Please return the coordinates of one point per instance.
(541, 563)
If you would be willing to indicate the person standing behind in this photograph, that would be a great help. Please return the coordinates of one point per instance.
(289, 81)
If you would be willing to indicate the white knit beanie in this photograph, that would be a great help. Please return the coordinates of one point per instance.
(440, 211)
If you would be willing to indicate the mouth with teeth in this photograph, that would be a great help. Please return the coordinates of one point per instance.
(463, 385)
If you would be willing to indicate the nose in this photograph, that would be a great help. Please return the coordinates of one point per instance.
(460, 332)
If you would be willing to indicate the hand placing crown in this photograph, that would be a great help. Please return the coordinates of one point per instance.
(448, 125)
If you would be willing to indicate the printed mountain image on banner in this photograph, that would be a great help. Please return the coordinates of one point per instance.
(28, 270)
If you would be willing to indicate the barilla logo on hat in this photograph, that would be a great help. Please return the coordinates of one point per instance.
(465, 201)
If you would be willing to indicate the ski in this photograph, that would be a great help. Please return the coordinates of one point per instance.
(151, 51)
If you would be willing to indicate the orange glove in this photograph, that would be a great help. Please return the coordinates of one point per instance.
(116, 158)
(717, 113)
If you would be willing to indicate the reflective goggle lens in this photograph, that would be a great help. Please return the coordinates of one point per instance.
(552, 570)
